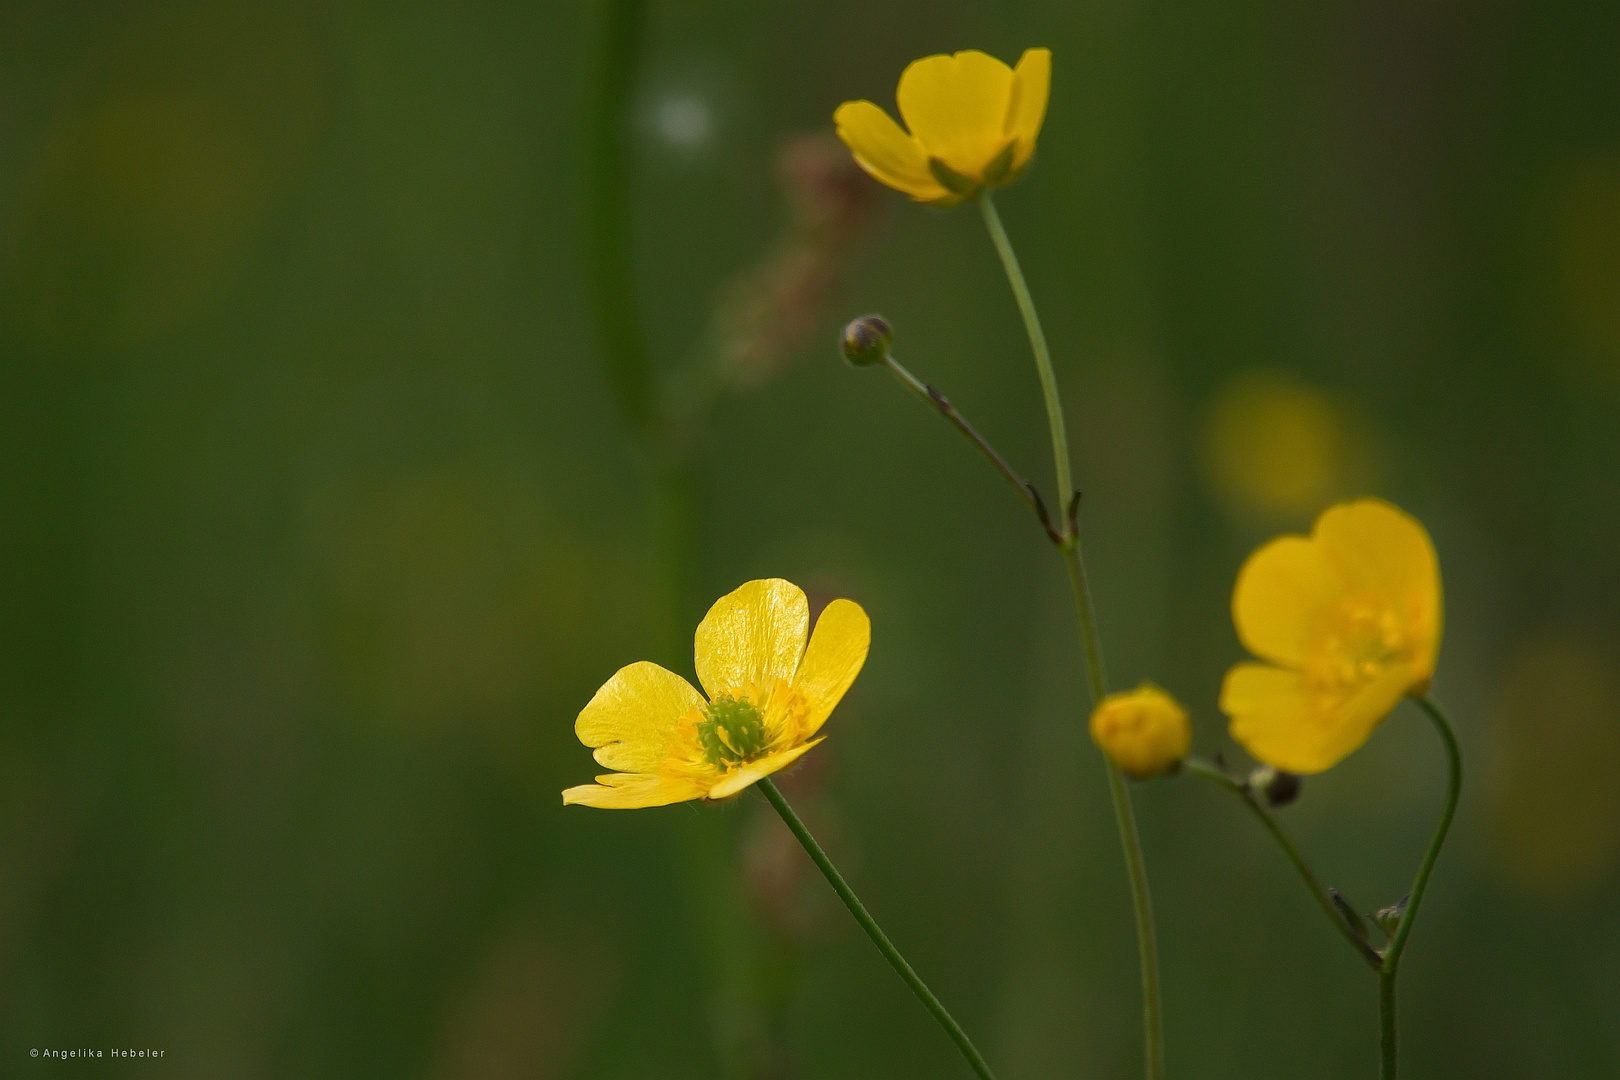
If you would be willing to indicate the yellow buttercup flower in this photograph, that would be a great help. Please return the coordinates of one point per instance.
(1144, 731)
(769, 694)
(1349, 622)
(973, 122)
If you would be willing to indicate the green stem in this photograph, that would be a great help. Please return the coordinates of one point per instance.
(1312, 882)
(939, 401)
(1080, 587)
(1403, 929)
(1147, 942)
(1389, 1056)
(1037, 342)
(1096, 676)
(1397, 942)
(873, 931)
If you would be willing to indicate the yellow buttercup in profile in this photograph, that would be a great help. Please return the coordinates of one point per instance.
(768, 695)
(971, 124)
(1348, 620)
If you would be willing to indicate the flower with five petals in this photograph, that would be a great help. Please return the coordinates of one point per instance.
(1349, 621)
(768, 695)
(972, 124)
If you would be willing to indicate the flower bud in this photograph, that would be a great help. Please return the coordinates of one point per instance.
(866, 340)
(1389, 918)
(1144, 731)
(1278, 788)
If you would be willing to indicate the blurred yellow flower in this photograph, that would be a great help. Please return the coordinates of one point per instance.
(768, 696)
(1349, 620)
(1275, 446)
(1144, 731)
(972, 119)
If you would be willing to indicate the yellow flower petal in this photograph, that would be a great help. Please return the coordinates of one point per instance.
(633, 719)
(956, 107)
(1380, 549)
(834, 657)
(626, 791)
(734, 782)
(1284, 591)
(1283, 721)
(1032, 83)
(752, 637)
(885, 151)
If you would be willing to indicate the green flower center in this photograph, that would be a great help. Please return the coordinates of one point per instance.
(730, 733)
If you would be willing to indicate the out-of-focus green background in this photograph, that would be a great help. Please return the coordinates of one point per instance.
(319, 526)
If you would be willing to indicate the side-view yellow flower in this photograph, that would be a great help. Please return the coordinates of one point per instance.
(973, 123)
(769, 694)
(1349, 622)
(1144, 731)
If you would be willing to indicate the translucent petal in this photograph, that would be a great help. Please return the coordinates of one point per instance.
(633, 719)
(1279, 719)
(1284, 591)
(752, 637)
(956, 108)
(885, 151)
(834, 657)
(732, 783)
(1379, 549)
(1026, 109)
(627, 791)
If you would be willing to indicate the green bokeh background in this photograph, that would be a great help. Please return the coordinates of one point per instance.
(319, 526)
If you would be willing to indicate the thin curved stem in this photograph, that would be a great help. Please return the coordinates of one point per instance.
(1199, 767)
(939, 401)
(1390, 1041)
(1147, 942)
(1080, 586)
(1403, 929)
(1068, 542)
(1037, 342)
(875, 932)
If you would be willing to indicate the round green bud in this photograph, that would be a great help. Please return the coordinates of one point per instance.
(866, 340)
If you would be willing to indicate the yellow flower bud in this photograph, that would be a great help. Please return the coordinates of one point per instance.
(1144, 731)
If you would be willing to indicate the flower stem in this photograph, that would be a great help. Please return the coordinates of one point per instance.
(1210, 772)
(1389, 1055)
(1397, 943)
(1147, 942)
(873, 931)
(1037, 342)
(1068, 542)
(939, 401)
(1403, 929)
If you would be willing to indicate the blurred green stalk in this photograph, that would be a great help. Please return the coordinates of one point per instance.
(708, 840)
(1068, 543)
